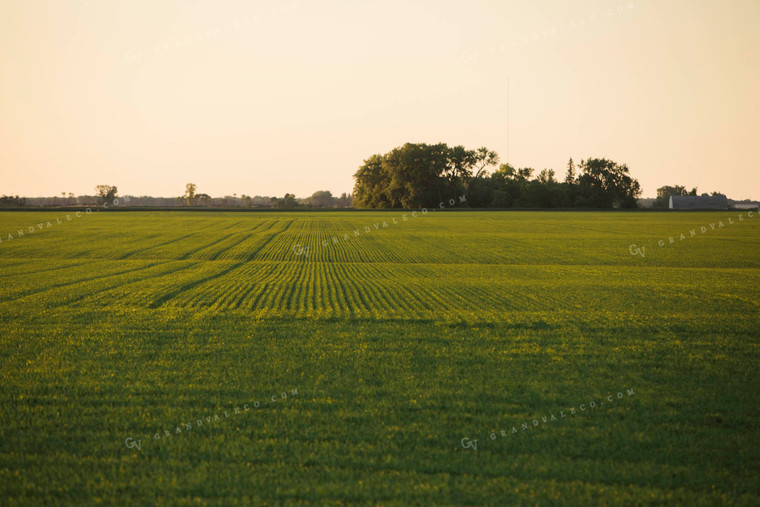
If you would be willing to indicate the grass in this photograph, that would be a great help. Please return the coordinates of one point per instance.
(399, 343)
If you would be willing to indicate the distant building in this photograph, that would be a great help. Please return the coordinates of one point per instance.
(698, 202)
(747, 205)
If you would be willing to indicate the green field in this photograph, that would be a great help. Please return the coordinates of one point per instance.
(382, 352)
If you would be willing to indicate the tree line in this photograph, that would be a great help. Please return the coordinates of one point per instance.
(107, 195)
(11, 201)
(663, 194)
(319, 199)
(422, 175)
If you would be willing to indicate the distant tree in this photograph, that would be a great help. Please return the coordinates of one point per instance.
(459, 165)
(570, 188)
(8, 201)
(418, 175)
(501, 198)
(288, 201)
(510, 186)
(484, 158)
(321, 199)
(189, 196)
(664, 193)
(370, 189)
(546, 176)
(544, 191)
(344, 201)
(525, 173)
(507, 171)
(570, 177)
(106, 194)
(606, 184)
(480, 192)
(693, 191)
(202, 199)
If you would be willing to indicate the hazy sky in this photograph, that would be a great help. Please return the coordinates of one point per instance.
(296, 95)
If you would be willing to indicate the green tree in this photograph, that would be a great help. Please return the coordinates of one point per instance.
(344, 201)
(664, 193)
(510, 186)
(417, 175)
(480, 192)
(370, 189)
(546, 176)
(321, 199)
(288, 201)
(190, 194)
(202, 199)
(606, 184)
(570, 177)
(106, 194)
(9, 201)
(484, 158)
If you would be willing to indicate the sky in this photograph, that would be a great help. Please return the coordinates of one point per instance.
(269, 97)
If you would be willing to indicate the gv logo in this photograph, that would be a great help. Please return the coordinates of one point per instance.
(133, 443)
(299, 250)
(637, 251)
(470, 444)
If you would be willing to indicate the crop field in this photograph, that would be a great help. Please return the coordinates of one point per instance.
(451, 357)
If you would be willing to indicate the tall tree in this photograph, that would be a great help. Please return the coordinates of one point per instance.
(190, 194)
(288, 201)
(106, 193)
(484, 158)
(570, 177)
(605, 184)
(370, 189)
(321, 199)
(417, 175)
(546, 176)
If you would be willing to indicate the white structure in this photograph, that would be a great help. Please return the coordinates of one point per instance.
(698, 202)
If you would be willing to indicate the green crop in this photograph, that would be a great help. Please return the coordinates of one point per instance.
(400, 342)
